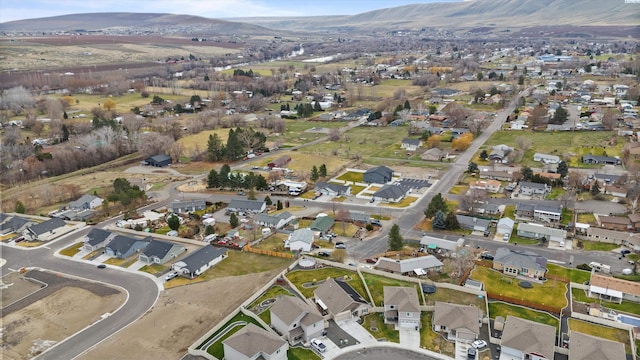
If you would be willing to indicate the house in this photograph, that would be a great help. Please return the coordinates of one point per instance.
(500, 152)
(275, 221)
(187, 206)
(332, 189)
(505, 226)
(551, 212)
(635, 221)
(161, 160)
(390, 193)
(433, 154)
(378, 175)
(626, 238)
(411, 144)
(415, 265)
(339, 300)
(321, 225)
(46, 230)
(587, 347)
(359, 217)
(458, 322)
(620, 223)
(546, 159)
(537, 231)
(526, 339)
(492, 186)
(14, 224)
(252, 343)
(433, 243)
(473, 223)
(122, 246)
(524, 210)
(199, 261)
(531, 188)
(296, 320)
(280, 162)
(239, 205)
(607, 160)
(86, 202)
(496, 175)
(489, 209)
(160, 252)
(96, 239)
(613, 289)
(294, 188)
(401, 307)
(300, 240)
(520, 263)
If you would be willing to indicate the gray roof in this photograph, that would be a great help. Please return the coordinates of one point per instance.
(408, 265)
(47, 226)
(415, 142)
(3, 216)
(272, 219)
(600, 159)
(520, 259)
(505, 221)
(245, 204)
(470, 222)
(607, 177)
(455, 316)
(532, 185)
(525, 207)
(202, 256)
(289, 308)
(554, 208)
(542, 230)
(188, 204)
(587, 347)
(529, 336)
(159, 158)
(361, 216)
(304, 235)
(337, 188)
(121, 243)
(159, 248)
(338, 296)
(391, 192)
(252, 340)
(97, 236)
(84, 199)
(382, 170)
(404, 297)
(14, 223)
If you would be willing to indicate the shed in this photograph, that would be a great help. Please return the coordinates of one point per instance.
(160, 160)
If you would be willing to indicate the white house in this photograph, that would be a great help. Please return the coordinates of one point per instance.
(46, 230)
(505, 226)
(86, 202)
(459, 322)
(199, 261)
(300, 240)
(531, 188)
(546, 159)
(536, 231)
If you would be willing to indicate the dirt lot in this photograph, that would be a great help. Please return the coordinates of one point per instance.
(17, 287)
(180, 317)
(52, 313)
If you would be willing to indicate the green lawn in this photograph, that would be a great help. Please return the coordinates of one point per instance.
(272, 292)
(297, 353)
(266, 316)
(217, 349)
(376, 285)
(597, 246)
(567, 216)
(300, 277)
(604, 332)
(431, 340)
(510, 211)
(626, 306)
(504, 309)
(351, 176)
(574, 275)
(550, 293)
(153, 268)
(587, 218)
(456, 297)
(555, 193)
(374, 323)
(71, 250)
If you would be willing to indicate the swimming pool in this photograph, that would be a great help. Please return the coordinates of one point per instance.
(629, 320)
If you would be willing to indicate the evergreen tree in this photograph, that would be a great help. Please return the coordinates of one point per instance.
(521, 80)
(208, 230)
(560, 116)
(484, 155)
(314, 173)
(595, 188)
(233, 220)
(215, 148)
(323, 171)
(407, 106)
(261, 183)
(316, 106)
(213, 180)
(395, 239)
(563, 168)
(279, 205)
(20, 208)
(267, 200)
(224, 175)
(173, 222)
(527, 173)
(436, 204)
(439, 221)
(451, 222)
(206, 78)
(234, 149)
(473, 167)
(65, 133)
(64, 115)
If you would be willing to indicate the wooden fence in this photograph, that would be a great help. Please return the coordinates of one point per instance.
(248, 248)
(550, 309)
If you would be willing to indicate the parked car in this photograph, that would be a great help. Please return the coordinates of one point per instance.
(102, 266)
(170, 275)
(371, 260)
(324, 254)
(471, 353)
(318, 345)
(340, 245)
(486, 256)
(625, 252)
(479, 344)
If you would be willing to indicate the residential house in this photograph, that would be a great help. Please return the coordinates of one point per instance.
(280, 162)
(500, 152)
(390, 193)
(122, 246)
(416, 265)
(537, 231)
(635, 221)
(296, 320)
(620, 223)
(46, 230)
(551, 212)
(613, 289)
(625, 238)
(496, 175)
(526, 339)
(86, 201)
(525, 210)
(339, 300)
(587, 347)
(199, 261)
(505, 226)
(489, 209)
(458, 322)
(160, 160)
(531, 188)
(187, 206)
(96, 239)
(359, 217)
(473, 223)
(160, 252)
(14, 224)
(378, 175)
(520, 263)
(607, 160)
(546, 159)
(411, 144)
(322, 225)
(254, 206)
(277, 221)
(300, 240)
(433, 243)
(252, 343)
(402, 307)
(433, 154)
(492, 186)
(332, 189)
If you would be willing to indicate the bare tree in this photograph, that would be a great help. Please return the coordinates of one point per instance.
(457, 113)
(334, 134)
(523, 143)
(473, 199)
(16, 99)
(477, 125)
(54, 109)
(610, 118)
(153, 143)
(344, 217)
(576, 179)
(538, 117)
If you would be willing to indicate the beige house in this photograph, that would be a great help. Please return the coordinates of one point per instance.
(520, 263)
(492, 186)
(613, 289)
(253, 342)
(525, 339)
(296, 320)
(401, 307)
(459, 322)
(339, 300)
(587, 347)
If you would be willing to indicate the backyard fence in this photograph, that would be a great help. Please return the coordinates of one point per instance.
(550, 309)
(248, 248)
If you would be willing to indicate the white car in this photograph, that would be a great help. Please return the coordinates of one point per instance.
(318, 345)
(170, 275)
(479, 344)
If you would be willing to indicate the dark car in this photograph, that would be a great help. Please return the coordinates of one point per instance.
(625, 252)
(486, 256)
(324, 254)
(102, 266)
(371, 260)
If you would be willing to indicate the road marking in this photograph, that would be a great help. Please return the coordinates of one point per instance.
(46, 247)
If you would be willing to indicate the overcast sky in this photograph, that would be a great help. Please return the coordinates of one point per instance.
(29, 9)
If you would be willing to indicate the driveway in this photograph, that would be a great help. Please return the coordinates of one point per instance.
(102, 258)
(356, 330)
(461, 350)
(410, 338)
(136, 266)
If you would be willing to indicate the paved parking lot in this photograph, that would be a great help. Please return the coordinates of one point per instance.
(414, 183)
